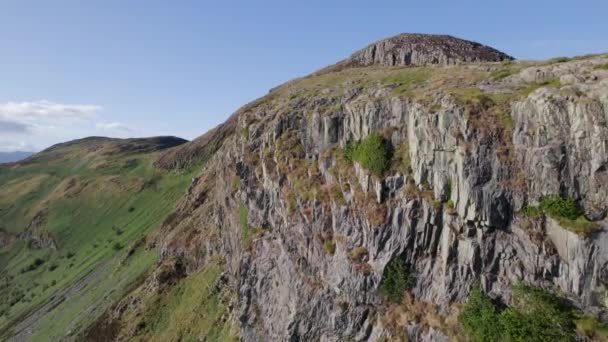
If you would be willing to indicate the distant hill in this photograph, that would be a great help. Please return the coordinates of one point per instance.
(9, 157)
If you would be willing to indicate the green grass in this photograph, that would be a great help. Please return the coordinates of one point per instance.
(96, 207)
(559, 60)
(407, 79)
(602, 67)
(589, 326)
(190, 311)
(553, 83)
(79, 311)
(563, 210)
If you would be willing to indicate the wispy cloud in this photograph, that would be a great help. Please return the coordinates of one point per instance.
(12, 146)
(20, 111)
(113, 126)
(35, 124)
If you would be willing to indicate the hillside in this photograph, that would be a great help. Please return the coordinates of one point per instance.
(426, 188)
(76, 215)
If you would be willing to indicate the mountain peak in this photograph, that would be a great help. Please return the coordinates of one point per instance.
(421, 49)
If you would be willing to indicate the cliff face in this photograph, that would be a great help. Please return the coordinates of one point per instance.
(304, 235)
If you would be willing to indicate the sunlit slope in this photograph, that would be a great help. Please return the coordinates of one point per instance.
(75, 213)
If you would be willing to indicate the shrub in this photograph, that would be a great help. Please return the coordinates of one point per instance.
(371, 153)
(538, 313)
(117, 246)
(396, 280)
(559, 207)
(535, 315)
(565, 211)
(34, 265)
(479, 317)
(329, 246)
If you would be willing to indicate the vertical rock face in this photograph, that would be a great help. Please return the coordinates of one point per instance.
(305, 235)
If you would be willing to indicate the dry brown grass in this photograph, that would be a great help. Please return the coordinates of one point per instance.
(19, 187)
(425, 314)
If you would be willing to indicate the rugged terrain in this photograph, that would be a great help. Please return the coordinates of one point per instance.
(382, 198)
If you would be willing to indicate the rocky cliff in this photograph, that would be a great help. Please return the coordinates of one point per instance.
(304, 233)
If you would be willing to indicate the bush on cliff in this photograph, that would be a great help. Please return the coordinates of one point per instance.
(535, 315)
(396, 280)
(479, 317)
(371, 153)
(565, 211)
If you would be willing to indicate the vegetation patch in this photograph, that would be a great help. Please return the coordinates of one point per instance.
(358, 254)
(396, 280)
(534, 315)
(553, 83)
(559, 60)
(565, 211)
(591, 327)
(195, 309)
(602, 67)
(371, 152)
(329, 246)
(401, 161)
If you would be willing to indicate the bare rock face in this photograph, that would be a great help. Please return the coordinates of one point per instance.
(422, 49)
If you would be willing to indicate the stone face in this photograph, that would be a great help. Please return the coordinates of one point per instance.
(290, 287)
(411, 49)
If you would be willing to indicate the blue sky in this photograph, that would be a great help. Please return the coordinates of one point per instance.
(70, 69)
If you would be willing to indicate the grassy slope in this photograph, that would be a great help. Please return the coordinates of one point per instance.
(192, 310)
(97, 206)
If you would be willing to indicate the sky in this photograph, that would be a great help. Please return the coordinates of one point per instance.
(129, 68)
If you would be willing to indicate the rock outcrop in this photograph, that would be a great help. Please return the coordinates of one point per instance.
(305, 235)
(412, 49)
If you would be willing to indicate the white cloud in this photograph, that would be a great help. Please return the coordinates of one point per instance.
(26, 111)
(12, 146)
(113, 126)
(38, 124)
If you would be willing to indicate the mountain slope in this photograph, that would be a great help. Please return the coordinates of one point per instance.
(425, 188)
(75, 216)
(364, 202)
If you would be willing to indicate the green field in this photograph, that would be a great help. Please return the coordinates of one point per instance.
(96, 206)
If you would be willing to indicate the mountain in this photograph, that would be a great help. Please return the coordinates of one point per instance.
(425, 188)
(72, 217)
(9, 157)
